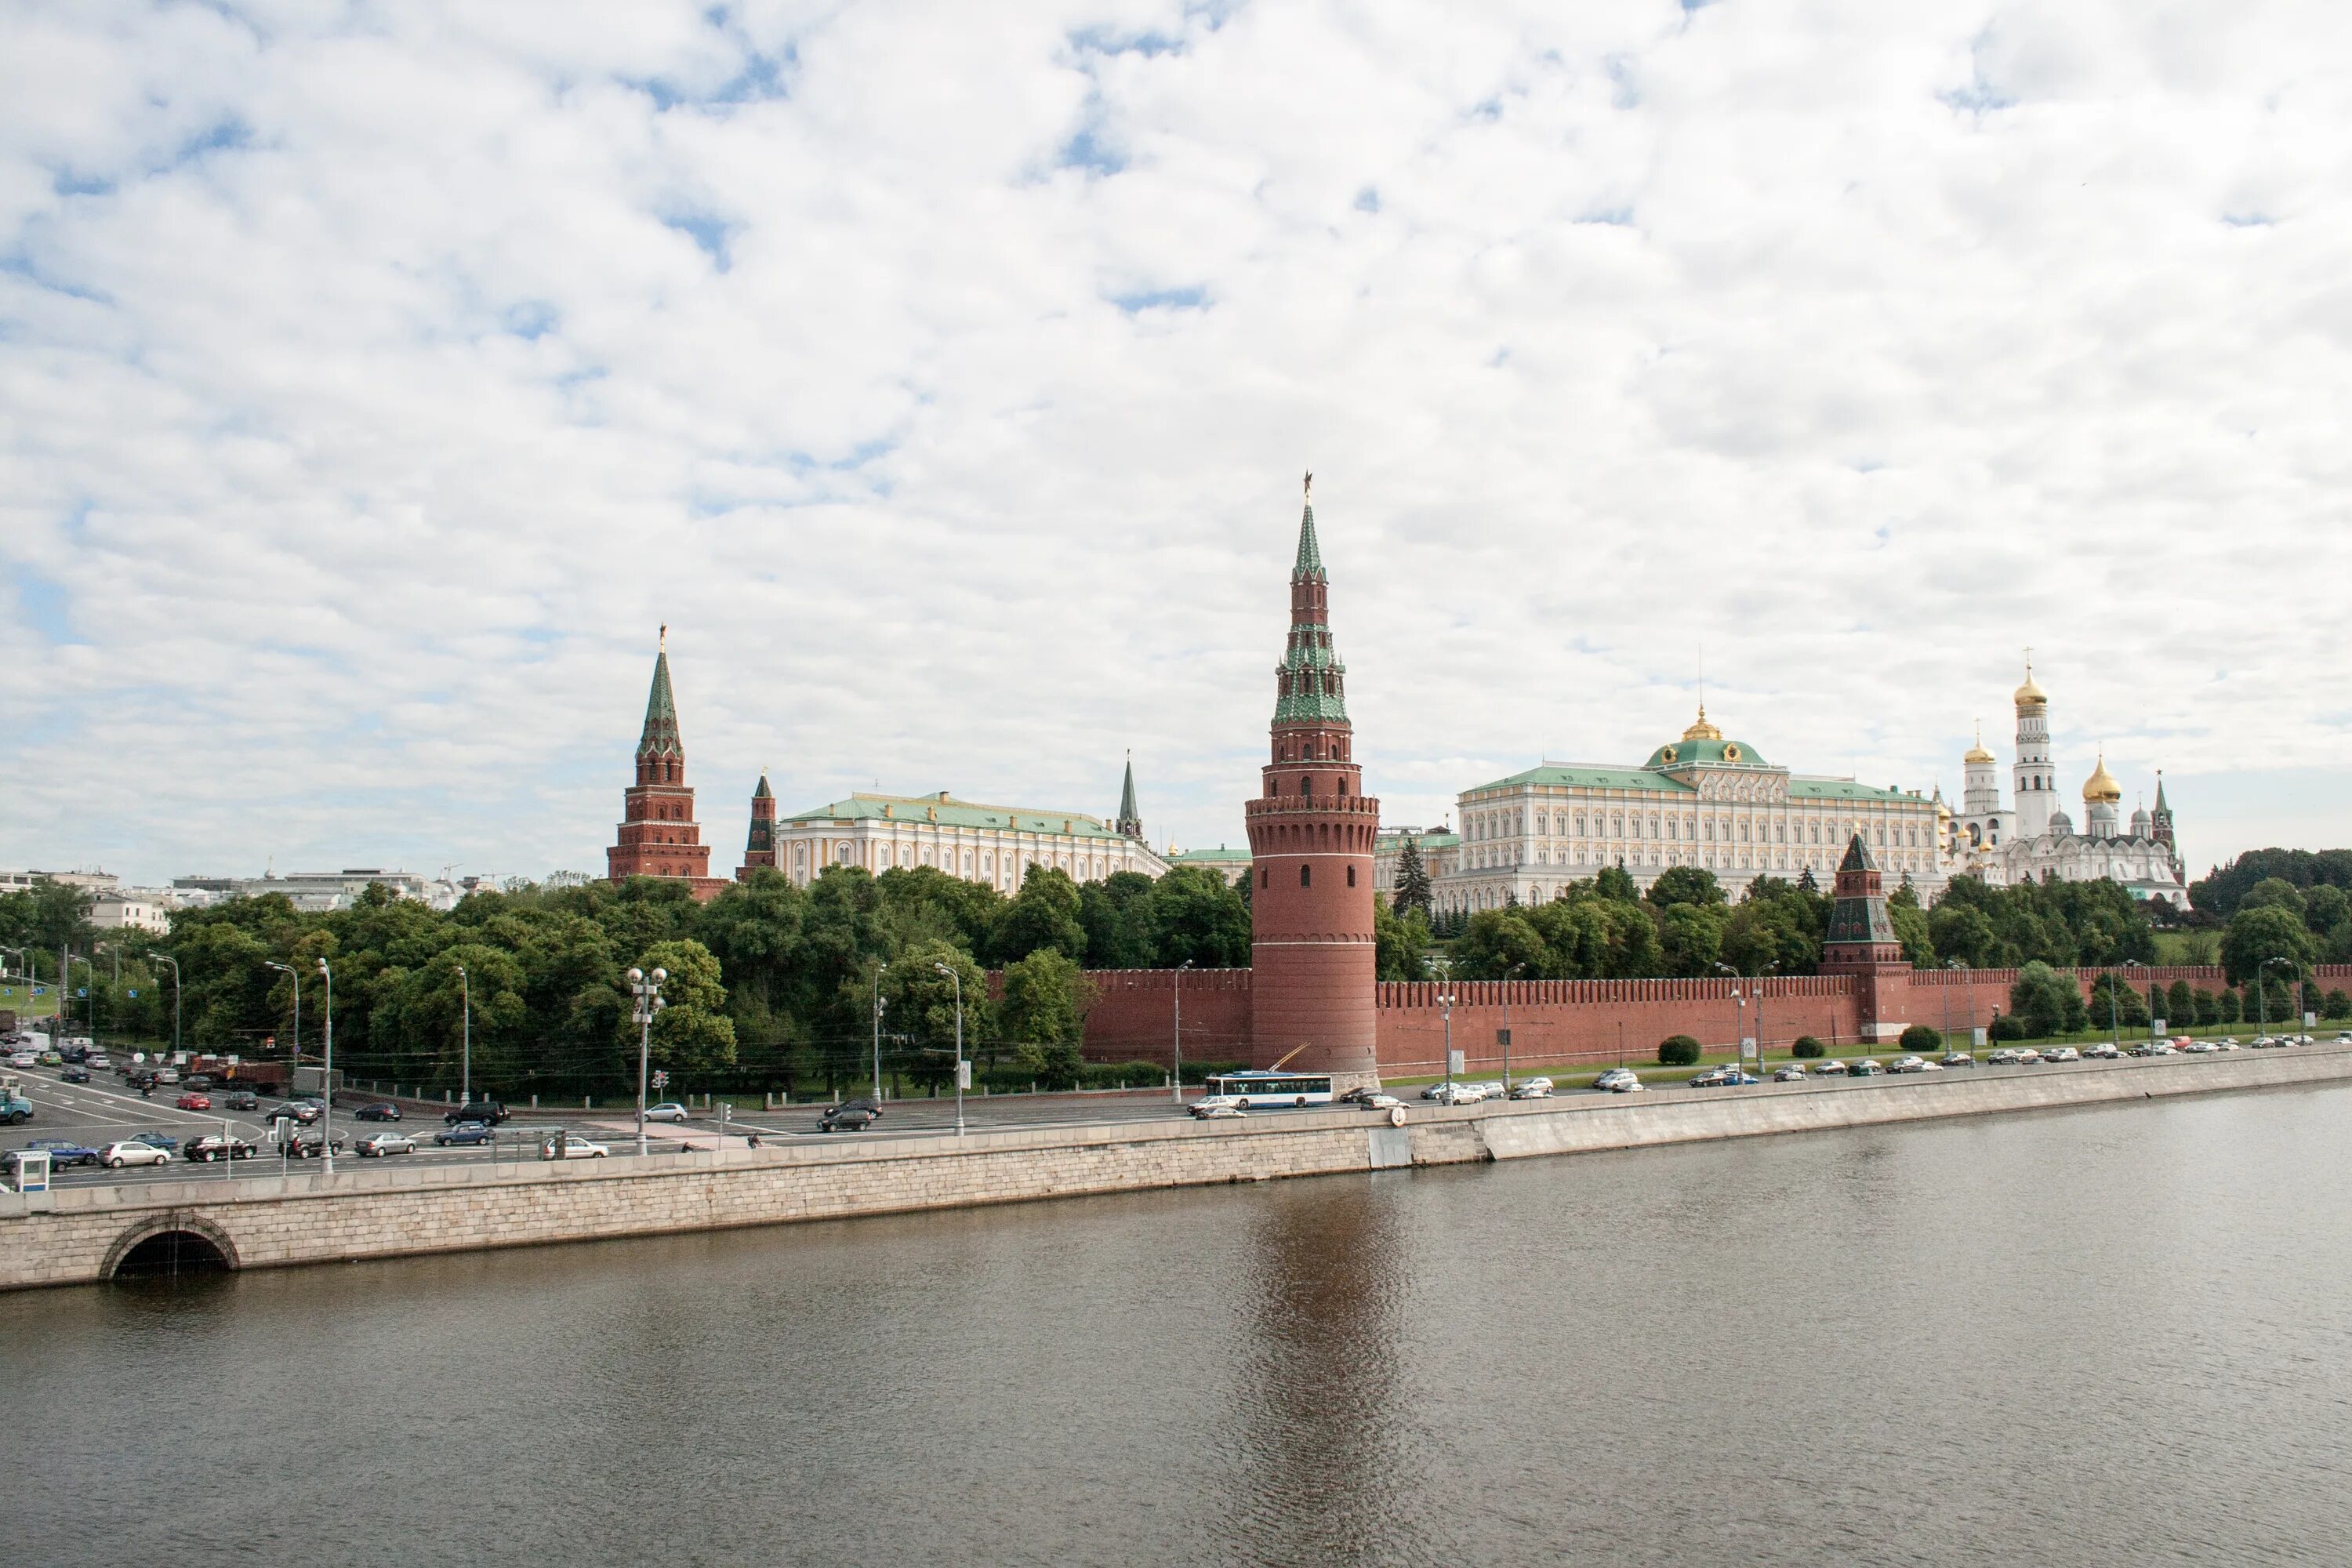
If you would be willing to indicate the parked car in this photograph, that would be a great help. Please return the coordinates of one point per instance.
(1792, 1073)
(64, 1152)
(2154, 1049)
(2061, 1054)
(218, 1146)
(1532, 1088)
(465, 1135)
(382, 1110)
(1957, 1059)
(1867, 1068)
(193, 1102)
(1830, 1069)
(849, 1116)
(1216, 1107)
(668, 1110)
(1618, 1080)
(1490, 1088)
(379, 1145)
(74, 1075)
(1907, 1065)
(489, 1112)
(131, 1151)
(1432, 1090)
(2197, 1049)
(1456, 1094)
(1375, 1100)
(571, 1146)
(2105, 1052)
(1713, 1077)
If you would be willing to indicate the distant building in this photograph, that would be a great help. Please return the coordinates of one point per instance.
(992, 844)
(1440, 850)
(658, 836)
(91, 881)
(135, 909)
(1233, 865)
(313, 892)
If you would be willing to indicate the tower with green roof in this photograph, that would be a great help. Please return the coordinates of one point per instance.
(1130, 821)
(760, 845)
(1312, 833)
(658, 836)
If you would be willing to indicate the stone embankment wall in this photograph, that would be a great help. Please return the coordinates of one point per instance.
(1583, 1020)
(79, 1234)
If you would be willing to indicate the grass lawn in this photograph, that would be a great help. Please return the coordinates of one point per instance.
(17, 997)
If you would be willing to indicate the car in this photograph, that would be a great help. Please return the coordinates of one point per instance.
(163, 1141)
(465, 1135)
(64, 1152)
(1830, 1069)
(2061, 1054)
(1618, 1080)
(1714, 1078)
(850, 1116)
(202, 1080)
(214, 1146)
(74, 1075)
(571, 1146)
(240, 1100)
(24, 1059)
(131, 1151)
(299, 1147)
(1456, 1094)
(75, 1054)
(99, 1061)
(2005, 1057)
(301, 1112)
(489, 1112)
(1867, 1068)
(2153, 1048)
(382, 1110)
(1792, 1073)
(2344, 1036)
(1956, 1059)
(53, 1058)
(1907, 1065)
(2264, 1043)
(382, 1143)
(668, 1110)
(1376, 1100)
(1532, 1088)
(2199, 1048)
(1492, 1088)
(1216, 1107)
(2226, 1045)
(193, 1102)
(1432, 1090)
(2105, 1052)
(167, 1074)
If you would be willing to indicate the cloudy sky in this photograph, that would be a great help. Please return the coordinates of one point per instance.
(374, 379)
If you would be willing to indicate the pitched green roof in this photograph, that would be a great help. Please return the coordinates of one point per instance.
(1707, 753)
(945, 811)
(1389, 842)
(1592, 778)
(1840, 789)
(1127, 812)
(763, 793)
(660, 733)
(1220, 854)
(1310, 555)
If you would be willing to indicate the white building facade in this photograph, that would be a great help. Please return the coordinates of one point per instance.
(1701, 801)
(996, 845)
(2036, 841)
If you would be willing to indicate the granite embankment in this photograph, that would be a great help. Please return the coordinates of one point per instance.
(80, 1234)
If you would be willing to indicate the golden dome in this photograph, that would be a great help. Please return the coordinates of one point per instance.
(2101, 784)
(2030, 695)
(1702, 730)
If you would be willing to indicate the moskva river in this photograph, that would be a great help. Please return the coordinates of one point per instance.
(2120, 1335)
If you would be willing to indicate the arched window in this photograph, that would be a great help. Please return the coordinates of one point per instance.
(1307, 786)
(1351, 876)
(1305, 876)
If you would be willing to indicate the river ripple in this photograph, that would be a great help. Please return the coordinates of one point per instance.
(2115, 1335)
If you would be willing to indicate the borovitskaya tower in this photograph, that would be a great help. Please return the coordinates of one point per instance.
(1311, 833)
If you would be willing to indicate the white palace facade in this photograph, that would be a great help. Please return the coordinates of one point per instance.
(1700, 801)
(992, 844)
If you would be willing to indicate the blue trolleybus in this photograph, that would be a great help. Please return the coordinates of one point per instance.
(1262, 1089)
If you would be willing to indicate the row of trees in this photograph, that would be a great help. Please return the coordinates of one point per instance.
(769, 984)
(2218, 894)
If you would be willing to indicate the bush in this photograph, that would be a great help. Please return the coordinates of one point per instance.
(2005, 1027)
(1134, 1075)
(1677, 1051)
(1807, 1046)
(1918, 1038)
(2339, 1005)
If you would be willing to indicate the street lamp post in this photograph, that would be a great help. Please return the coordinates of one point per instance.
(1179, 1074)
(1507, 1027)
(1968, 1000)
(2112, 977)
(1739, 1035)
(647, 989)
(958, 978)
(327, 1076)
(879, 965)
(167, 958)
(465, 1061)
(1447, 1002)
(295, 977)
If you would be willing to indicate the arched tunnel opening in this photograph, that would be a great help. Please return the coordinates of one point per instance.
(172, 1255)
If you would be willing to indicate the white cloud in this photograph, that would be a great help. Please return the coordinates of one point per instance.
(374, 380)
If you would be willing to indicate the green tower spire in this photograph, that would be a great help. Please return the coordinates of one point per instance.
(1310, 553)
(1130, 820)
(660, 736)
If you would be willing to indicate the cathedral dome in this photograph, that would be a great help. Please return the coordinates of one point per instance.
(1701, 730)
(2101, 784)
(1977, 754)
(2031, 695)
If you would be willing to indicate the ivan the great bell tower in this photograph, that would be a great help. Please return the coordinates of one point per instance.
(1311, 832)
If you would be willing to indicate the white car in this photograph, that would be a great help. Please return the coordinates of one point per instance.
(1907, 1064)
(1457, 1094)
(1492, 1088)
(668, 1110)
(571, 1146)
(1618, 1080)
(24, 1059)
(2061, 1054)
(1213, 1107)
(1792, 1073)
(1531, 1089)
(2200, 1048)
(114, 1156)
(1376, 1100)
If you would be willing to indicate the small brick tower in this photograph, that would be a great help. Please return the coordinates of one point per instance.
(1311, 832)
(1861, 942)
(657, 833)
(760, 847)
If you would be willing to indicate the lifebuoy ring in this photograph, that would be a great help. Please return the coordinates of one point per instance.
(1396, 1115)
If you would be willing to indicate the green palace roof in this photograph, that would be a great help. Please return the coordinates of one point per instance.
(1388, 841)
(944, 810)
(1651, 779)
(1705, 752)
(1200, 856)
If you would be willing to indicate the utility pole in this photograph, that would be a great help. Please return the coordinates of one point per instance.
(1178, 1076)
(466, 1068)
(647, 989)
(879, 965)
(327, 1078)
(167, 958)
(960, 1074)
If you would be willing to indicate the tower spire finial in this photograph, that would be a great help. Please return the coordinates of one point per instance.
(661, 643)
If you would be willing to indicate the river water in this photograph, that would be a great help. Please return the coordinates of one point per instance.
(2117, 1335)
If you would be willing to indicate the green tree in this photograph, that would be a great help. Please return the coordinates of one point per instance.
(692, 1034)
(1044, 914)
(1413, 879)
(923, 1008)
(2045, 1002)
(2180, 1005)
(1116, 913)
(2116, 1000)
(1194, 913)
(1920, 1038)
(1911, 928)
(2274, 893)
(1690, 936)
(2262, 931)
(1684, 885)
(1498, 942)
(1615, 884)
(1677, 1051)
(1401, 942)
(1042, 1016)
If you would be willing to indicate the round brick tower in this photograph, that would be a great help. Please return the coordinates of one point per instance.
(1311, 831)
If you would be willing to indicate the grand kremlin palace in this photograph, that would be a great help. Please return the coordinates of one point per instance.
(1699, 801)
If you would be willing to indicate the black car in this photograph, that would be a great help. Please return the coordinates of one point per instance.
(241, 1100)
(850, 1116)
(299, 1111)
(214, 1146)
(383, 1111)
(197, 1081)
(75, 1074)
(162, 1140)
(76, 1054)
(489, 1112)
(307, 1148)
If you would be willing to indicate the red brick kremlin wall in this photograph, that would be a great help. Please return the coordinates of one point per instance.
(1573, 1020)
